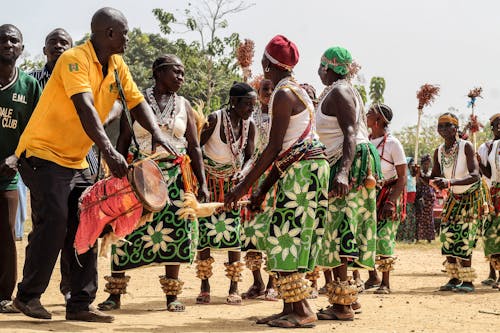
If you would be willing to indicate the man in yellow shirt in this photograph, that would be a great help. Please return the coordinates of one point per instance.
(66, 122)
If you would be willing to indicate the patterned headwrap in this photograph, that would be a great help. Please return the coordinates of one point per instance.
(337, 59)
(448, 118)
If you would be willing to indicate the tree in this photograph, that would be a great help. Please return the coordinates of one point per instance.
(362, 92)
(377, 88)
(217, 67)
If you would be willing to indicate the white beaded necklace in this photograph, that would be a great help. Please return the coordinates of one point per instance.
(165, 117)
(236, 146)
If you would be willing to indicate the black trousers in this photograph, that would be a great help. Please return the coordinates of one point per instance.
(55, 191)
(8, 254)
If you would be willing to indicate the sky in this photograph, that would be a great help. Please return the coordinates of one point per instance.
(452, 43)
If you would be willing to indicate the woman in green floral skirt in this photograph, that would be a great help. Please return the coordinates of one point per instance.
(351, 229)
(293, 239)
(456, 169)
(167, 240)
(391, 198)
(228, 144)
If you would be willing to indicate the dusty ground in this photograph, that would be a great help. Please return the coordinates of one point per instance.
(414, 305)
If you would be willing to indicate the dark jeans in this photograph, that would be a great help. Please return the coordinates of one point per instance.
(55, 191)
(8, 253)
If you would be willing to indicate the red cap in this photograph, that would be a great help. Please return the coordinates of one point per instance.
(282, 52)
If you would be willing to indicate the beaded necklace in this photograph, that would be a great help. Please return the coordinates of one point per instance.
(262, 124)
(165, 117)
(449, 158)
(236, 146)
(329, 88)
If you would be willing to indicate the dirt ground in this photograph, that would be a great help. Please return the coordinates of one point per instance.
(415, 305)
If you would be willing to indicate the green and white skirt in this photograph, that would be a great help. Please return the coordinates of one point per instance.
(167, 240)
(462, 220)
(351, 224)
(491, 234)
(220, 231)
(297, 223)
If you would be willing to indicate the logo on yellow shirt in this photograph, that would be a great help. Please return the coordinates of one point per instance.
(113, 88)
(73, 67)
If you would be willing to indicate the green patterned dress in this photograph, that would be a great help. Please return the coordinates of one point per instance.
(351, 226)
(464, 210)
(167, 240)
(222, 231)
(219, 231)
(254, 230)
(491, 237)
(297, 223)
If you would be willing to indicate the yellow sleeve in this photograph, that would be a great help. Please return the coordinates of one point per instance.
(73, 69)
(133, 95)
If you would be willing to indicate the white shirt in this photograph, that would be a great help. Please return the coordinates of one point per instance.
(393, 155)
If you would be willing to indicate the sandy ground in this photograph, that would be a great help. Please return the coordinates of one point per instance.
(415, 305)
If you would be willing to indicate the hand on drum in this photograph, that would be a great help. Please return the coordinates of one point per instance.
(163, 142)
(8, 167)
(116, 162)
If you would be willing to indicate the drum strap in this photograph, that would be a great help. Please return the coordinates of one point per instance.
(127, 112)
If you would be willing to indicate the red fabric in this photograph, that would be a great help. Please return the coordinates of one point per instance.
(283, 50)
(410, 197)
(109, 201)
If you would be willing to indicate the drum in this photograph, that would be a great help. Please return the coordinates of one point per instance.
(119, 202)
(148, 184)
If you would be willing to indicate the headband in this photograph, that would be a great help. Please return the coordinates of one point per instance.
(166, 64)
(446, 118)
(379, 111)
(277, 63)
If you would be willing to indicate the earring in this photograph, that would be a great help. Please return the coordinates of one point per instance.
(267, 69)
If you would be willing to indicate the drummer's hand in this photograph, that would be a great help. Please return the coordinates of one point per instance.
(8, 166)
(203, 194)
(161, 140)
(256, 200)
(340, 185)
(231, 198)
(116, 162)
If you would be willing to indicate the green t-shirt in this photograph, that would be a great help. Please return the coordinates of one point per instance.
(17, 102)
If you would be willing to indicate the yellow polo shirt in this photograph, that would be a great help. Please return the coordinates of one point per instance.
(54, 131)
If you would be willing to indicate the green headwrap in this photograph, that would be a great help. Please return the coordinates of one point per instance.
(337, 59)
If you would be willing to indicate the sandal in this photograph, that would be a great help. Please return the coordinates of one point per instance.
(464, 289)
(369, 285)
(108, 305)
(488, 282)
(292, 321)
(271, 295)
(382, 290)
(203, 298)
(253, 292)
(176, 306)
(448, 287)
(329, 313)
(267, 319)
(356, 307)
(322, 290)
(7, 307)
(233, 299)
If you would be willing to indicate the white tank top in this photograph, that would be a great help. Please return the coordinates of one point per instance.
(218, 151)
(176, 134)
(456, 170)
(329, 131)
(298, 122)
